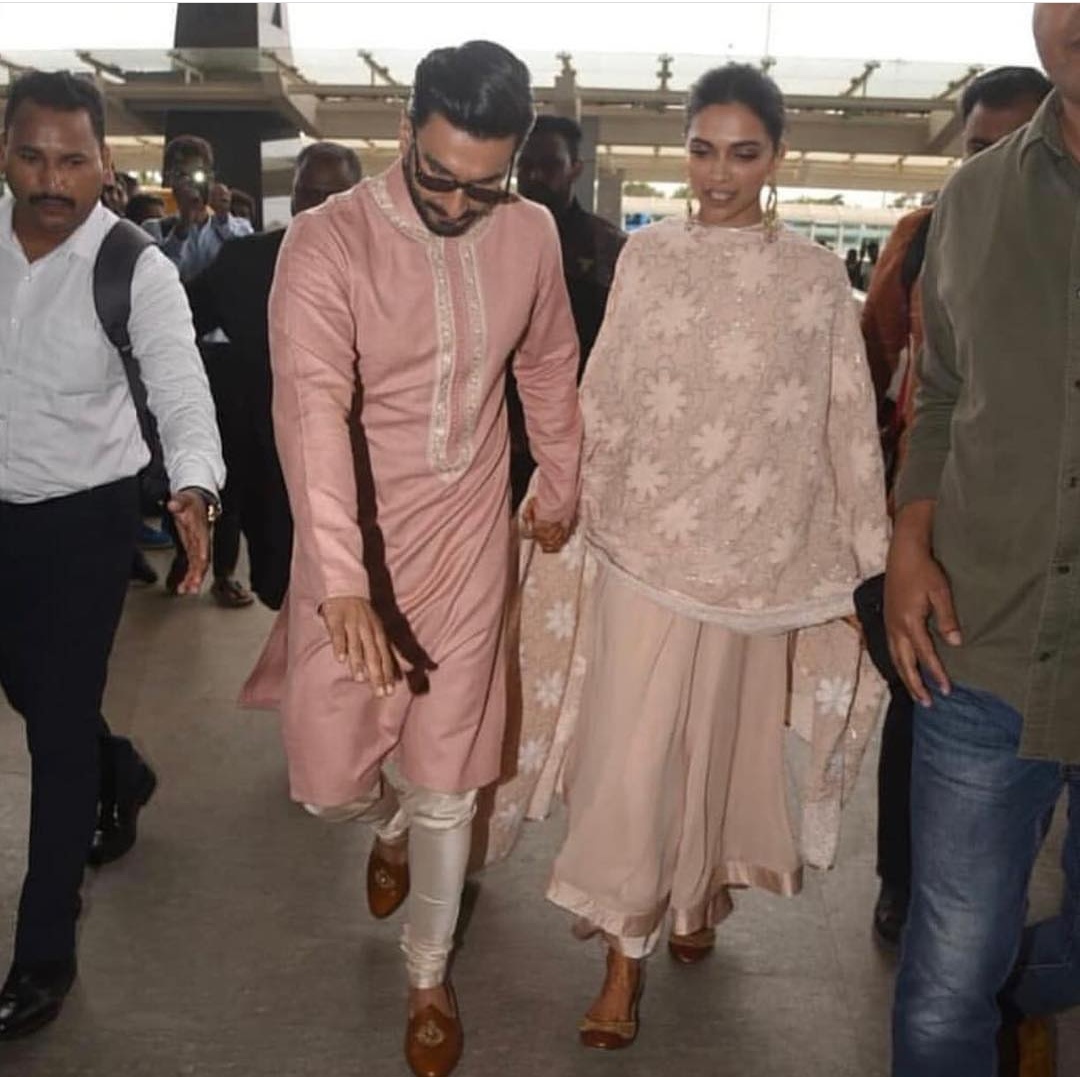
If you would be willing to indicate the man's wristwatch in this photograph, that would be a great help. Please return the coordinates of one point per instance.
(210, 500)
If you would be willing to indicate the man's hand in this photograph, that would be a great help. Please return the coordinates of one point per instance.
(551, 536)
(916, 588)
(359, 641)
(189, 510)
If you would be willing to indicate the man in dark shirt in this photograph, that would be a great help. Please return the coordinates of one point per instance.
(993, 106)
(987, 548)
(232, 294)
(548, 167)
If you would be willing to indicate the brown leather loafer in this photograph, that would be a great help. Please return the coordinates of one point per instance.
(690, 949)
(387, 884)
(433, 1042)
(1027, 1047)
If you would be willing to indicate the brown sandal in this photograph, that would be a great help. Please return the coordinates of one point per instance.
(614, 1034)
(690, 949)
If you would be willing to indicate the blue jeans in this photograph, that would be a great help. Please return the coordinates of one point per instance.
(979, 815)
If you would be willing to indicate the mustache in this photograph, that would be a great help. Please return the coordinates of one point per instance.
(51, 199)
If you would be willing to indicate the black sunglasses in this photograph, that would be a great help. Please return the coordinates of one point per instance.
(489, 196)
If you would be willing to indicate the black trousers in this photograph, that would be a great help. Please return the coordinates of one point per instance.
(894, 791)
(227, 388)
(254, 501)
(64, 566)
(894, 763)
(225, 370)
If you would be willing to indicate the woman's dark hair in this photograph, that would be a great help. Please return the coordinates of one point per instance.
(740, 84)
(480, 87)
(58, 90)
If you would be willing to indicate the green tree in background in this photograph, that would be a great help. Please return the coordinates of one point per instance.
(645, 190)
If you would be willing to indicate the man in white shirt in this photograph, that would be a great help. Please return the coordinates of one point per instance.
(70, 449)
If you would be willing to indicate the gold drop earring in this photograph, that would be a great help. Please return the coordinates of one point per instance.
(689, 213)
(771, 217)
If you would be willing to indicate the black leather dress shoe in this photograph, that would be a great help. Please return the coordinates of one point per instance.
(117, 821)
(32, 996)
(890, 914)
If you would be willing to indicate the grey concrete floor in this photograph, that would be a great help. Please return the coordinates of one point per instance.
(234, 940)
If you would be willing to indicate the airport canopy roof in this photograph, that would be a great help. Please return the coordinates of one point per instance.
(879, 124)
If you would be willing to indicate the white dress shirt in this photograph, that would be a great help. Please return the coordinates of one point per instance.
(67, 420)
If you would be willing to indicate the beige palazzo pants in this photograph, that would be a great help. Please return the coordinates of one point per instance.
(675, 783)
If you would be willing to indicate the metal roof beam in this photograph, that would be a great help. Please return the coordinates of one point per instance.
(957, 85)
(378, 71)
(859, 81)
(182, 63)
(100, 67)
(288, 70)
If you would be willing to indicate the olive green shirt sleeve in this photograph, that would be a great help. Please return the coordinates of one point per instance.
(939, 381)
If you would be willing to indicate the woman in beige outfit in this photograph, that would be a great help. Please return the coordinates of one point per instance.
(732, 501)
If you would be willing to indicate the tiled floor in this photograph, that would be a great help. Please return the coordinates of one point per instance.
(234, 939)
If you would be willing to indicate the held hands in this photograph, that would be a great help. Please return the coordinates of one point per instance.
(916, 588)
(551, 536)
(359, 641)
(189, 510)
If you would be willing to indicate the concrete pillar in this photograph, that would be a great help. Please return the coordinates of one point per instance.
(585, 188)
(609, 196)
(237, 137)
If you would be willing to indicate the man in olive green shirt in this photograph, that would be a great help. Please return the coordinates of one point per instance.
(987, 549)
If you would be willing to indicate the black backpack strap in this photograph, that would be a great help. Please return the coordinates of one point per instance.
(914, 256)
(114, 271)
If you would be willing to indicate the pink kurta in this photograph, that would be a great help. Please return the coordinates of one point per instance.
(389, 347)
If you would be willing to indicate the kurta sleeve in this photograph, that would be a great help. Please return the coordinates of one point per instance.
(313, 358)
(545, 366)
(853, 443)
(929, 439)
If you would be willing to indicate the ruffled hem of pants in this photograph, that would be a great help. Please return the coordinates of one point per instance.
(716, 908)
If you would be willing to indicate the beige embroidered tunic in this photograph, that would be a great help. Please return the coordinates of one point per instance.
(732, 476)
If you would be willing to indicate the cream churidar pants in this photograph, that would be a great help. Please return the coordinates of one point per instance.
(675, 783)
(439, 829)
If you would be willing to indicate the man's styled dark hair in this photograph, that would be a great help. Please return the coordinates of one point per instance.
(740, 84)
(185, 146)
(566, 129)
(331, 151)
(1004, 86)
(480, 87)
(140, 206)
(59, 90)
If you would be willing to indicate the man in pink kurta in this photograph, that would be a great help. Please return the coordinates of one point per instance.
(394, 309)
